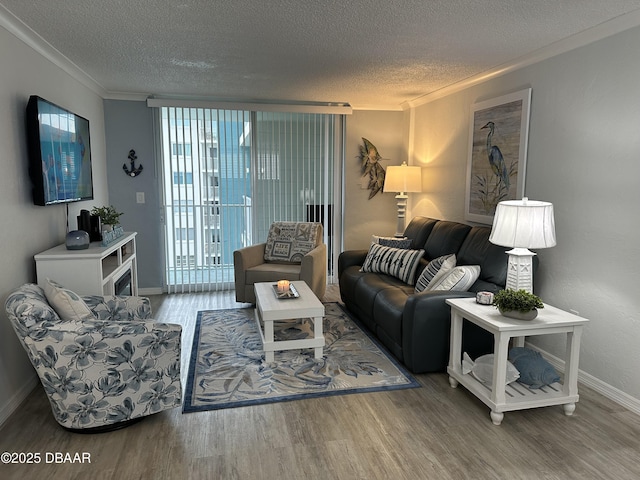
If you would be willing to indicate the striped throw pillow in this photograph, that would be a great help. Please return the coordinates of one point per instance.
(437, 268)
(459, 279)
(397, 262)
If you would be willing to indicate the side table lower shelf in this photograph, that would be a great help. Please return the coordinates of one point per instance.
(517, 396)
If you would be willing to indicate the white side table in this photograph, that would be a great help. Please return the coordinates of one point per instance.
(500, 397)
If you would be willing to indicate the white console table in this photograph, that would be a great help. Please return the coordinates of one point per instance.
(92, 271)
(498, 396)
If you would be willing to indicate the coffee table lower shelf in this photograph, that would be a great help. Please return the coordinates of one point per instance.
(271, 345)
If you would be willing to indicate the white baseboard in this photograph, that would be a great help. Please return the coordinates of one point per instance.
(17, 399)
(150, 291)
(604, 389)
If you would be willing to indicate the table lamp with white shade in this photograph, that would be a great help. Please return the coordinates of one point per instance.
(402, 179)
(523, 224)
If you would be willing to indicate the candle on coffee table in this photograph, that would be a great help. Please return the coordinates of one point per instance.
(283, 286)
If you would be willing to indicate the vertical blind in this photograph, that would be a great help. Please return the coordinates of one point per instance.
(228, 174)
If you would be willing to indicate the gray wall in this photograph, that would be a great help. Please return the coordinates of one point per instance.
(378, 215)
(129, 126)
(584, 157)
(28, 229)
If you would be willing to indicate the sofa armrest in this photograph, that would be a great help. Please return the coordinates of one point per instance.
(427, 321)
(349, 258)
(118, 308)
(314, 270)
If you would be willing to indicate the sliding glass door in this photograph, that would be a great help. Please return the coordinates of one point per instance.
(228, 174)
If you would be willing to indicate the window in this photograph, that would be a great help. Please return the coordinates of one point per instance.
(183, 206)
(184, 261)
(248, 170)
(179, 148)
(183, 234)
(183, 178)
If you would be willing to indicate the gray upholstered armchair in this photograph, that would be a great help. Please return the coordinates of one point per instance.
(293, 251)
(104, 370)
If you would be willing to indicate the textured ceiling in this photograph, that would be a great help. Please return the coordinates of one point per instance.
(367, 53)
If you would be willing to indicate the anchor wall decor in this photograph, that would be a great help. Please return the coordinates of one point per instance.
(134, 171)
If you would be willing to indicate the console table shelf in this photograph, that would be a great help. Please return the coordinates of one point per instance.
(92, 271)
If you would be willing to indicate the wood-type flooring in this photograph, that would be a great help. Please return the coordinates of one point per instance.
(434, 432)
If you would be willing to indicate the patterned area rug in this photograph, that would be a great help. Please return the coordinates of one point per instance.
(227, 367)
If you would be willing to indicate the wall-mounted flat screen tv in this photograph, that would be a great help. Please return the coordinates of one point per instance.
(59, 154)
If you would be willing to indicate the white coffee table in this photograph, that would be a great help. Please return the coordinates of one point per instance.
(269, 308)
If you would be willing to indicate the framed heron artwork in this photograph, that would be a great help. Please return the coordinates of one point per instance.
(497, 161)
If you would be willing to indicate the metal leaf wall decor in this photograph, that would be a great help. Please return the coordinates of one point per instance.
(370, 159)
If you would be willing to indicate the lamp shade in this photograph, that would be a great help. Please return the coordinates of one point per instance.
(524, 224)
(403, 179)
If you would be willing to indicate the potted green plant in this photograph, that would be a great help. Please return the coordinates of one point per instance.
(109, 216)
(518, 304)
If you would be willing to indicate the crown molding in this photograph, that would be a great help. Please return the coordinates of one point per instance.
(31, 38)
(129, 96)
(606, 29)
(378, 108)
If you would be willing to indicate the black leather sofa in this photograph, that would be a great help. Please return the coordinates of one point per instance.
(415, 326)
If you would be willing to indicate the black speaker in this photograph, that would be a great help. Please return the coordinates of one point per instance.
(84, 221)
(96, 229)
(90, 224)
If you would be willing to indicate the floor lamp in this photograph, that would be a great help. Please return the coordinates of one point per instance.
(402, 179)
(523, 224)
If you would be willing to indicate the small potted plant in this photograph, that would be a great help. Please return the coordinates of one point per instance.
(518, 304)
(109, 216)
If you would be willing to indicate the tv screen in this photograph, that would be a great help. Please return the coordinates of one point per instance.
(59, 154)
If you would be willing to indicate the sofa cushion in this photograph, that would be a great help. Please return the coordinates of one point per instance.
(67, 304)
(418, 231)
(477, 250)
(437, 266)
(459, 279)
(397, 262)
(446, 237)
(369, 285)
(288, 242)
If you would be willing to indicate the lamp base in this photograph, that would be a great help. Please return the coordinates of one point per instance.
(520, 270)
(402, 210)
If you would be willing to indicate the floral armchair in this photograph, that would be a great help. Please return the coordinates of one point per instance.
(104, 372)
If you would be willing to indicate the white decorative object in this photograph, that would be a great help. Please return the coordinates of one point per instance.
(402, 179)
(484, 298)
(111, 235)
(523, 224)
